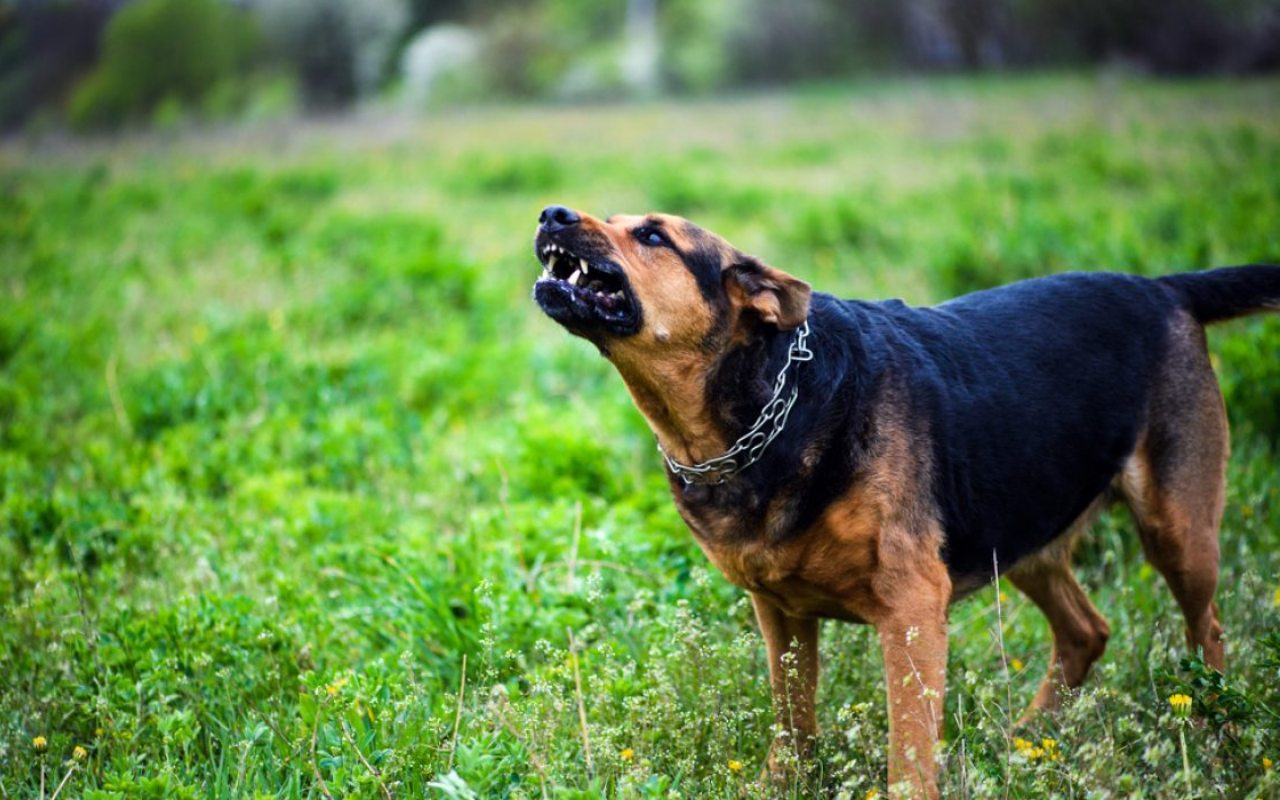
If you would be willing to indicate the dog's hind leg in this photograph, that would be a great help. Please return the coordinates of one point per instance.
(1178, 520)
(1079, 632)
(1174, 484)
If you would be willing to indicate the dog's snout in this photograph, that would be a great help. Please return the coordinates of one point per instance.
(553, 218)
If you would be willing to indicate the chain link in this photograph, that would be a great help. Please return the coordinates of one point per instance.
(716, 471)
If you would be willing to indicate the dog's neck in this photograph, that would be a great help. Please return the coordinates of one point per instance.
(697, 405)
(672, 396)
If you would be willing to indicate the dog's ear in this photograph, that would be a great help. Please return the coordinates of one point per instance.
(774, 296)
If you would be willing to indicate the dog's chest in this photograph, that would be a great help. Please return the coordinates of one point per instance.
(816, 573)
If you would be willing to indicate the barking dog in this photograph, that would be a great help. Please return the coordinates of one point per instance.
(874, 462)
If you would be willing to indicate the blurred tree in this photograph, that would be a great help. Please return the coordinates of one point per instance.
(440, 61)
(44, 49)
(641, 46)
(774, 42)
(1170, 36)
(163, 50)
(171, 50)
(340, 49)
(978, 27)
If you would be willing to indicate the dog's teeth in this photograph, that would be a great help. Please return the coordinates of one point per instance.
(585, 268)
(617, 295)
(551, 263)
(574, 277)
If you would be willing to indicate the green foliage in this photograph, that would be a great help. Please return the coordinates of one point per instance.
(161, 54)
(286, 451)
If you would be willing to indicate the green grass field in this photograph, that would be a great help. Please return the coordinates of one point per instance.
(301, 496)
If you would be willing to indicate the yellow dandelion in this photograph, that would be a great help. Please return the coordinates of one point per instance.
(1266, 763)
(1016, 664)
(735, 765)
(1050, 748)
(79, 754)
(40, 744)
(872, 794)
(335, 687)
(1275, 598)
(1021, 745)
(627, 754)
(98, 732)
(1004, 598)
(1181, 704)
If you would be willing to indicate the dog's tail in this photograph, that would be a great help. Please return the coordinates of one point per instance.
(1228, 292)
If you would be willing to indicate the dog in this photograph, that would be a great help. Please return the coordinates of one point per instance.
(875, 462)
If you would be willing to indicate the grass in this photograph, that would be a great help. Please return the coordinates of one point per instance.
(300, 496)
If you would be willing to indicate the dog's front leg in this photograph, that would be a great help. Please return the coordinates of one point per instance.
(913, 639)
(792, 645)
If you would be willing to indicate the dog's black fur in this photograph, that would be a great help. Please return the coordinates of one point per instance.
(1031, 396)
(926, 448)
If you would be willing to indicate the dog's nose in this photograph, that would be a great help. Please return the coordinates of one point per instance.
(553, 218)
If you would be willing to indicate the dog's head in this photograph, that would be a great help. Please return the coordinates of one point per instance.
(654, 284)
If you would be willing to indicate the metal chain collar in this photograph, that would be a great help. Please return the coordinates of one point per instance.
(715, 471)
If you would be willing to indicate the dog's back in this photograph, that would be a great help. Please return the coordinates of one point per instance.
(1037, 394)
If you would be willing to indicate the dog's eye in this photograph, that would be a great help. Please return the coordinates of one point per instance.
(650, 237)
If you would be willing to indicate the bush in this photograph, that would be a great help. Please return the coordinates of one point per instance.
(162, 51)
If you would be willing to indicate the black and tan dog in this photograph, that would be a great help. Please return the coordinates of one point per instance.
(873, 462)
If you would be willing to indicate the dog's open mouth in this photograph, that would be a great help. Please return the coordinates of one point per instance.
(579, 290)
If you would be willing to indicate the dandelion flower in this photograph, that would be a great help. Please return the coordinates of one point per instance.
(335, 687)
(1050, 748)
(1021, 745)
(1181, 704)
(1266, 763)
(1004, 598)
(872, 794)
(1016, 664)
(40, 744)
(627, 754)
(79, 754)
(735, 765)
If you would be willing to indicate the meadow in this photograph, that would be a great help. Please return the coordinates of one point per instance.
(301, 497)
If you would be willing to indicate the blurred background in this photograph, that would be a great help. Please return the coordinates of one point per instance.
(93, 64)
